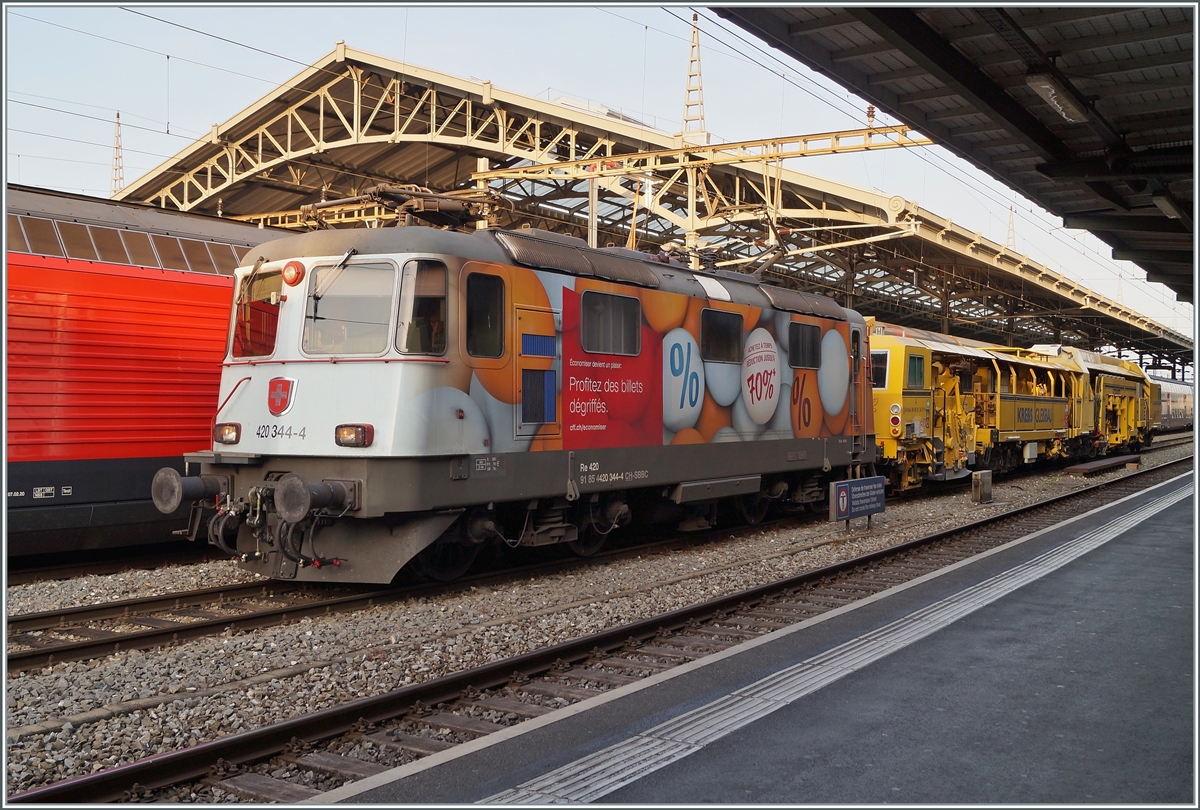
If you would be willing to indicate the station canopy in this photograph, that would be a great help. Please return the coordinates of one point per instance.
(1087, 111)
(355, 122)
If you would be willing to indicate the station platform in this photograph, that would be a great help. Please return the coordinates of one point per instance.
(1057, 669)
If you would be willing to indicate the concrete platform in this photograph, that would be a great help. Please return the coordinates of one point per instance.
(1056, 669)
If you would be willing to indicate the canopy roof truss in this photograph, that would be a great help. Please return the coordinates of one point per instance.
(354, 121)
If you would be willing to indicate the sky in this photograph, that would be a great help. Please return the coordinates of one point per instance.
(174, 71)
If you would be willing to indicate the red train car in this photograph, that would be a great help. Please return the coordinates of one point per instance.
(117, 323)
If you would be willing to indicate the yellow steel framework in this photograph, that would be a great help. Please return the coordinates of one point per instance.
(766, 150)
(355, 120)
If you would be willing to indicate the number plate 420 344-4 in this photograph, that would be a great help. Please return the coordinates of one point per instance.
(279, 432)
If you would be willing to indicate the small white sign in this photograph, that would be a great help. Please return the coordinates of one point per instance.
(43, 492)
(67, 490)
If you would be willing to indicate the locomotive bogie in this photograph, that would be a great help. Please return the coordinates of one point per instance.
(396, 494)
(385, 381)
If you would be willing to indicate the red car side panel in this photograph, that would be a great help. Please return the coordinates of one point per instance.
(109, 361)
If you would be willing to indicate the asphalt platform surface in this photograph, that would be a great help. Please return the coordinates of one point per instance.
(1074, 688)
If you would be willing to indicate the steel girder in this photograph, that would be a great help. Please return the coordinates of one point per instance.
(353, 113)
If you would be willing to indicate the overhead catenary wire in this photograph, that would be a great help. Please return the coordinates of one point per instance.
(105, 120)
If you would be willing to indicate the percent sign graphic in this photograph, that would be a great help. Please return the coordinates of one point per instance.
(681, 366)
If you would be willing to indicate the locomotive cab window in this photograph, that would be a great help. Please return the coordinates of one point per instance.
(916, 372)
(422, 325)
(879, 369)
(485, 315)
(720, 336)
(804, 345)
(610, 324)
(256, 314)
(349, 309)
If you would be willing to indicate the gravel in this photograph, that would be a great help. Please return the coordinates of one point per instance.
(101, 589)
(77, 718)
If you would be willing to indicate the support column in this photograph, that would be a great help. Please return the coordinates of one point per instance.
(851, 277)
(945, 306)
(593, 202)
(692, 237)
(481, 165)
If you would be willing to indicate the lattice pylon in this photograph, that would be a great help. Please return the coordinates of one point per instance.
(1011, 241)
(693, 96)
(118, 167)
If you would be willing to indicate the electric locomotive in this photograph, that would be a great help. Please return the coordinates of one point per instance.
(410, 392)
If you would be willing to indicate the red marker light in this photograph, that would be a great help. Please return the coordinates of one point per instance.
(293, 273)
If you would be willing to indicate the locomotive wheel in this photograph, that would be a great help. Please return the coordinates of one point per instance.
(448, 558)
(589, 542)
(753, 508)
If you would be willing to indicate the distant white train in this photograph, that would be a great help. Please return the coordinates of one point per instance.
(1176, 405)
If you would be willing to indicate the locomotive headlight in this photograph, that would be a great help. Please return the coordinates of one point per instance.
(895, 409)
(227, 433)
(293, 273)
(354, 435)
(895, 420)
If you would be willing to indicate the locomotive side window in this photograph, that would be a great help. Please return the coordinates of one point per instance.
(720, 336)
(197, 256)
(485, 315)
(256, 314)
(108, 245)
(43, 239)
(223, 257)
(610, 324)
(169, 252)
(422, 325)
(916, 371)
(76, 240)
(879, 369)
(16, 239)
(140, 250)
(349, 309)
(804, 345)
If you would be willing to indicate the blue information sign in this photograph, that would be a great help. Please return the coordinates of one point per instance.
(859, 497)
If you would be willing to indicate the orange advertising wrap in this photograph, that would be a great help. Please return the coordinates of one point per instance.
(609, 400)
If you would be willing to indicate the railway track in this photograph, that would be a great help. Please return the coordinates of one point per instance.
(1163, 442)
(90, 631)
(265, 764)
(80, 633)
(25, 570)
